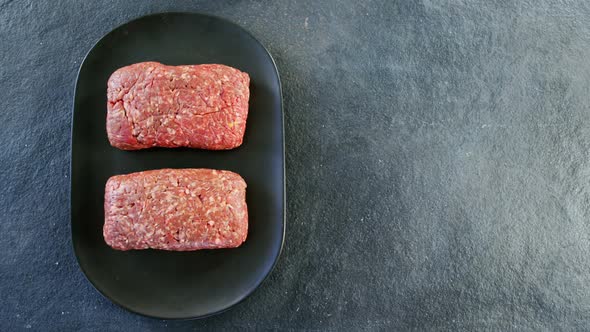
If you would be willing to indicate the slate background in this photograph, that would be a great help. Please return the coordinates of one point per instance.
(437, 164)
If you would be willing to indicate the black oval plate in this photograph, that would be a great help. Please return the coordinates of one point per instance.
(178, 285)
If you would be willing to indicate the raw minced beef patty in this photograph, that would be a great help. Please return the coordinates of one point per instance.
(198, 106)
(175, 209)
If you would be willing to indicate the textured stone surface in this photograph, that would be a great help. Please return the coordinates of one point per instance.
(437, 164)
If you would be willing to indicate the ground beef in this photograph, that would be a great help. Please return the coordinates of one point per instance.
(175, 209)
(198, 106)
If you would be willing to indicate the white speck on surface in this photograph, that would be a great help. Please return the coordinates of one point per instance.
(306, 24)
(297, 309)
(56, 263)
(28, 326)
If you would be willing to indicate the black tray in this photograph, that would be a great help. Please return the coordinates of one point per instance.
(178, 285)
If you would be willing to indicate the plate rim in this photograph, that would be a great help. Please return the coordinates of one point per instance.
(284, 191)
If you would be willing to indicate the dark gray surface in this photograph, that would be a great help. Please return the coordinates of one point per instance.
(437, 164)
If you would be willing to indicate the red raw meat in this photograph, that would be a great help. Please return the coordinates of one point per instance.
(198, 106)
(175, 209)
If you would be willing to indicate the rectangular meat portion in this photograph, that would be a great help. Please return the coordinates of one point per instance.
(175, 209)
(197, 106)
